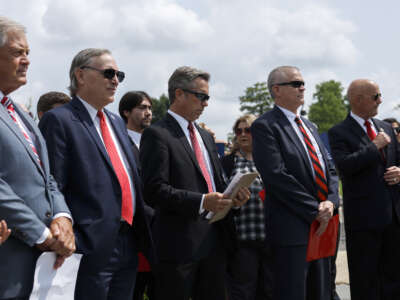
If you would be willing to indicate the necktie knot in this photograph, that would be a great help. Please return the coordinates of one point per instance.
(100, 114)
(297, 120)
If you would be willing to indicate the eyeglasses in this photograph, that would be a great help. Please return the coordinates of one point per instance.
(293, 84)
(379, 95)
(239, 131)
(108, 73)
(201, 96)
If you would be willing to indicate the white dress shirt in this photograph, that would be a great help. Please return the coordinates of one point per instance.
(183, 123)
(361, 122)
(291, 116)
(93, 115)
(135, 137)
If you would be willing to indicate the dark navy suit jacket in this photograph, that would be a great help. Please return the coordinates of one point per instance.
(85, 175)
(368, 201)
(291, 202)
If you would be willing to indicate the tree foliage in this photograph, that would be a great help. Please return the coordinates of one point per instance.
(256, 100)
(330, 107)
(160, 107)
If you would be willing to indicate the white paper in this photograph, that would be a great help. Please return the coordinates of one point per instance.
(51, 284)
(238, 181)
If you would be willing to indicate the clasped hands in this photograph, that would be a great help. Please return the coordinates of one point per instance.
(325, 213)
(216, 202)
(61, 240)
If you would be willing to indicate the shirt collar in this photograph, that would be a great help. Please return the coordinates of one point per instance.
(135, 136)
(181, 120)
(90, 109)
(360, 120)
(289, 114)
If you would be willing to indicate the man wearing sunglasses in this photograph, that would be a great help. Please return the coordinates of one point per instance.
(184, 182)
(367, 156)
(301, 188)
(91, 157)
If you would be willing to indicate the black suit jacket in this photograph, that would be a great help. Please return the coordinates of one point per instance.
(368, 201)
(84, 173)
(174, 186)
(291, 202)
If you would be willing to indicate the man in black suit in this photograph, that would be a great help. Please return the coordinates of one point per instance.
(183, 181)
(367, 155)
(91, 158)
(293, 164)
(135, 108)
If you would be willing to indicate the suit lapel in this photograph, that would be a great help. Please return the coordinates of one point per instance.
(358, 132)
(4, 116)
(287, 127)
(176, 128)
(84, 118)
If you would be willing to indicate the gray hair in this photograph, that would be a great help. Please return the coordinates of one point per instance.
(83, 58)
(279, 75)
(7, 25)
(182, 78)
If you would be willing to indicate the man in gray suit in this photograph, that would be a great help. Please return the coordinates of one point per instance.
(30, 201)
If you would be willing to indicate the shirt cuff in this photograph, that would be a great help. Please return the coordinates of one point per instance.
(64, 215)
(201, 209)
(43, 237)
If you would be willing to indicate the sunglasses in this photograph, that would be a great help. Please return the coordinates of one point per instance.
(201, 96)
(239, 131)
(108, 73)
(293, 84)
(377, 96)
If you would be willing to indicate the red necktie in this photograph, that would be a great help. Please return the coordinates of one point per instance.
(322, 187)
(199, 156)
(127, 206)
(11, 111)
(370, 132)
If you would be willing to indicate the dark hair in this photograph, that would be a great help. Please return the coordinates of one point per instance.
(182, 78)
(391, 120)
(46, 101)
(130, 100)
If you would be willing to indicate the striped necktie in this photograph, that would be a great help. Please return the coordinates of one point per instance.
(320, 179)
(11, 111)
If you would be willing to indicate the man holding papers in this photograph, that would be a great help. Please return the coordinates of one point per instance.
(184, 182)
(367, 156)
(300, 185)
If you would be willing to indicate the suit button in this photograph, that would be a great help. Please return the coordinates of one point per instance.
(48, 214)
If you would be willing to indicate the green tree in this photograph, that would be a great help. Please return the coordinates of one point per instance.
(160, 107)
(256, 100)
(330, 107)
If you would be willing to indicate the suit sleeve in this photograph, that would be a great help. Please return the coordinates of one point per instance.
(276, 178)
(348, 161)
(158, 191)
(22, 220)
(55, 137)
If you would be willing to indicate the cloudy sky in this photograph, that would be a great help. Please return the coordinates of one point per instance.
(237, 41)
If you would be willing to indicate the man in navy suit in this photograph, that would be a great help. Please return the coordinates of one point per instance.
(92, 160)
(288, 169)
(367, 156)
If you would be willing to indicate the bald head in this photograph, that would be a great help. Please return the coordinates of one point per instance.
(364, 97)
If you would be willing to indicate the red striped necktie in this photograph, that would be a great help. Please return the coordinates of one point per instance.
(11, 111)
(123, 179)
(199, 156)
(320, 179)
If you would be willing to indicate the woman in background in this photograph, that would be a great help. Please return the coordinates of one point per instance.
(249, 275)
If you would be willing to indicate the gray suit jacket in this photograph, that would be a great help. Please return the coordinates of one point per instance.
(29, 198)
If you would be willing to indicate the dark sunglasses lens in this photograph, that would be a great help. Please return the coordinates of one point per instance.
(377, 96)
(110, 73)
(297, 84)
(202, 97)
(247, 130)
(239, 131)
(120, 76)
